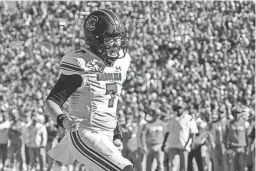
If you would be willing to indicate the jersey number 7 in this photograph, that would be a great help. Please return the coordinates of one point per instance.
(111, 88)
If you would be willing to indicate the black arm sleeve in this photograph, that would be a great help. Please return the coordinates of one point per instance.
(65, 86)
(118, 133)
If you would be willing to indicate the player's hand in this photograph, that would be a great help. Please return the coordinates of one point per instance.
(71, 123)
(118, 143)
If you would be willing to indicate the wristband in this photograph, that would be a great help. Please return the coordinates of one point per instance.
(60, 119)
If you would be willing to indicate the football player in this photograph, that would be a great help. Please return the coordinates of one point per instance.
(92, 79)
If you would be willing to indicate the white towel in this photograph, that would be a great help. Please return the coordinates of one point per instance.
(61, 152)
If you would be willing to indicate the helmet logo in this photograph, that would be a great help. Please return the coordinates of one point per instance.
(90, 24)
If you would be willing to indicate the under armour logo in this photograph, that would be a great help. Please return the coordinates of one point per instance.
(118, 68)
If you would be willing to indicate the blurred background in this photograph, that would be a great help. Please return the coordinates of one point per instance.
(201, 52)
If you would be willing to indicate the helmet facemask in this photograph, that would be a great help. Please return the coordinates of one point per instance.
(111, 48)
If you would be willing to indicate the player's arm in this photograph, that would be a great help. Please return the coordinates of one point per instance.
(62, 90)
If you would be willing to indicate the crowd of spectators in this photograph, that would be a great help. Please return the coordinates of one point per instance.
(203, 52)
(26, 141)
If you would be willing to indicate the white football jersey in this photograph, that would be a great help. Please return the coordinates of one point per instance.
(95, 101)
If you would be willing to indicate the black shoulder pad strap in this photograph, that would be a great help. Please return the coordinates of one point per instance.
(64, 88)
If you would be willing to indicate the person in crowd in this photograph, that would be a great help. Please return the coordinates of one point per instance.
(152, 138)
(140, 123)
(217, 130)
(14, 151)
(196, 152)
(126, 134)
(236, 138)
(52, 132)
(132, 146)
(5, 124)
(37, 142)
(25, 140)
(251, 148)
(179, 138)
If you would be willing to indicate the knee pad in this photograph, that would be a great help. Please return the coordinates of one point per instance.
(128, 168)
